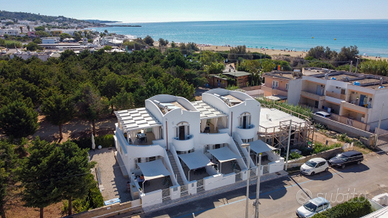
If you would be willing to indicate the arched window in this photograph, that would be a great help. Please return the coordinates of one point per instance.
(245, 120)
(182, 130)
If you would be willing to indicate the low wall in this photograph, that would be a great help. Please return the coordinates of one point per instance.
(111, 210)
(276, 166)
(325, 154)
(218, 181)
(341, 127)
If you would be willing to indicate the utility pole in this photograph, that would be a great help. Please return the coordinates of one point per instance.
(378, 128)
(288, 144)
(258, 189)
(357, 64)
(350, 67)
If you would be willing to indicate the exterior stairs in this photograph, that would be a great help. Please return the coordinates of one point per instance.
(175, 168)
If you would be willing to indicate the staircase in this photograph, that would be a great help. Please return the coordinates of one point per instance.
(241, 152)
(175, 168)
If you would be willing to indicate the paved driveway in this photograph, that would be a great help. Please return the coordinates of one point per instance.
(113, 182)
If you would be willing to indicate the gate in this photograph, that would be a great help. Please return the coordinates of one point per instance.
(184, 190)
(200, 187)
(166, 195)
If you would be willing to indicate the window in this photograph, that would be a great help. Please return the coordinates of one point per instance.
(182, 130)
(245, 120)
(286, 86)
(320, 208)
(275, 84)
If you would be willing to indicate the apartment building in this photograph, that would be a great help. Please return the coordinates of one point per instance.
(183, 148)
(352, 98)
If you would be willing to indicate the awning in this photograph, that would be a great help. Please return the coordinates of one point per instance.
(223, 154)
(153, 169)
(259, 146)
(195, 160)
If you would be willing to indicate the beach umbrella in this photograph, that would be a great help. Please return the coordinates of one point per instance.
(93, 143)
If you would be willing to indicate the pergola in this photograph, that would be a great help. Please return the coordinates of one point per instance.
(195, 160)
(223, 155)
(133, 120)
(153, 170)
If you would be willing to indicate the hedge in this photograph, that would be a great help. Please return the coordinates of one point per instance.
(356, 207)
(105, 141)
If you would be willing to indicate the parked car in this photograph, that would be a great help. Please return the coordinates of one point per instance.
(323, 114)
(312, 207)
(313, 166)
(349, 157)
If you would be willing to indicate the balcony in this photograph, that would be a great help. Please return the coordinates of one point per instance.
(247, 133)
(268, 91)
(312, 96)
(335, 95)
(184, 145)
(356, 108)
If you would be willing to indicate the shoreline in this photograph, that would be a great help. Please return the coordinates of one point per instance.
(275, 52)
(271, 52)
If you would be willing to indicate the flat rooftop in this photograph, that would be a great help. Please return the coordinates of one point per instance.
(280, 74)
(362, 80)
(165, 107)
(270, 118)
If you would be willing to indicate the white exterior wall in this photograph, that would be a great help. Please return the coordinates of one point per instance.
(379, 99)
(294, 91)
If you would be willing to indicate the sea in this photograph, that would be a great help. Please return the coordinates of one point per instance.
(370, 36)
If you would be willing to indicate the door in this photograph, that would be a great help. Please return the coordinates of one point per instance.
(362, 99)
(244, 122)
(182, 133)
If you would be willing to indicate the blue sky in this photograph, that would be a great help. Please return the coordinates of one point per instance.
(200, 10)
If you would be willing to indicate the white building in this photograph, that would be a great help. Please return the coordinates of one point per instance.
(352, 98)
(11, 32)
(184, 147)
(50, 40)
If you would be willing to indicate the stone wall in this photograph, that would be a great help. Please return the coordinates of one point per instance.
(325, 154)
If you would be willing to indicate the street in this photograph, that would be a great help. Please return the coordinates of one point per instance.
(281, 198)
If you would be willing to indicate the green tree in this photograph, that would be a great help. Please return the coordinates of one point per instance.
(73, 177)
(37, 40)
(40, 28)
(162, 42)
(148, 40)
(8, 164)
(18, 120)
(348, 54)
(32, 46)
(64, 36)
(39, 175)
(89, 104)
(214, 68)
(42, 33)
(123, 100)
(110, 86)
(58, 109)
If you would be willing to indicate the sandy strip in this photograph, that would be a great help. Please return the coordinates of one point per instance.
(271, 52)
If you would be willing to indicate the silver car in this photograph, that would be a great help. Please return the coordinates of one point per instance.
(312, 207)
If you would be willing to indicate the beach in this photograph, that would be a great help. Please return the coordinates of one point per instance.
(271, 52)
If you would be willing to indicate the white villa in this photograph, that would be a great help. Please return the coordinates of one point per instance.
(182, 148)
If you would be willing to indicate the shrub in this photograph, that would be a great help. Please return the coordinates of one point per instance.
(93, 200)
(319, 147)
(294, 155)
(356, 207)
(105, 141)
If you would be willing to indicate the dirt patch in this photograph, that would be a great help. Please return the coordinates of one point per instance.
(74, 129)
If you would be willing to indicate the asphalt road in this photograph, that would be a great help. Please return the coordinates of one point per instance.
(281, 198)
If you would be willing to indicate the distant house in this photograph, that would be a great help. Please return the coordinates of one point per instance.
(11, 32)
(50, 40)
